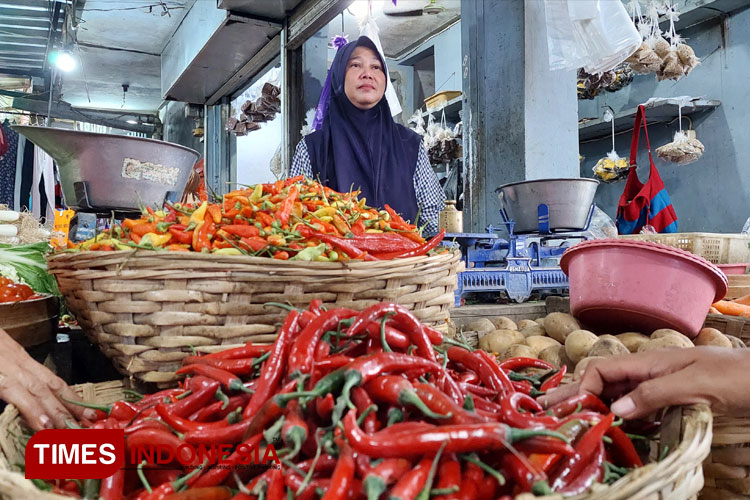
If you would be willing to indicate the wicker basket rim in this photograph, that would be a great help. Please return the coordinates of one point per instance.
(62, 257)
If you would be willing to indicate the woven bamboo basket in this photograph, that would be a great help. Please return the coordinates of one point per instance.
(146, 310)
(13, 485)
(727, 468)
(686, 431)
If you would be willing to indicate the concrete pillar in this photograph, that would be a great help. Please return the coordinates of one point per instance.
(520, 119)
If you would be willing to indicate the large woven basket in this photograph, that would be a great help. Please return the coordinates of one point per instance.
(146, 310)
(686, 431)
(13, 485)
(727, 468)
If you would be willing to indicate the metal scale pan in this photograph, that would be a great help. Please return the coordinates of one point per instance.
(101, 172)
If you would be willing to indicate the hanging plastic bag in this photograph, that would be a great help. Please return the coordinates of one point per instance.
(369, 28)
(594, 34)
(602, 226)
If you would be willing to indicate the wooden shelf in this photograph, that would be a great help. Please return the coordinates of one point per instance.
(657, 111)
(693, 12)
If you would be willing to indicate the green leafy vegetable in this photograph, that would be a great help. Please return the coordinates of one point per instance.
(30, 265)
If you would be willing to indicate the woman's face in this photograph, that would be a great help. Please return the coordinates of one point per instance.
(364, 83)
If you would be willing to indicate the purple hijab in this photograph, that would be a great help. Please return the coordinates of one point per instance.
(365, 149)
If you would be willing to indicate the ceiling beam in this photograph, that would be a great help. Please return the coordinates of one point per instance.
(20, 22)
(254, 66)
(65, 111)
(29, 15)
(21, 72)
(32, 4)
(310, 17)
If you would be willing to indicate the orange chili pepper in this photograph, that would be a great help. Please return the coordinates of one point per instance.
(264, 218)
(281, 255)
(215, 212)
(177, 247)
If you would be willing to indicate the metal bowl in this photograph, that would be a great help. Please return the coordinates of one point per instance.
(30, 322)
(114, 172)
(569, 203)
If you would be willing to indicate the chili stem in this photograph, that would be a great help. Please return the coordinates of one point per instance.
(142, 476)
(309, 475)
(288, 307)
(489, 470)
(383, 340)
(365, 413)
(456, 343)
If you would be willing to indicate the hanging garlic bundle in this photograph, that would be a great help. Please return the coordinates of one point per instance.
(685, 147)
(612, 167)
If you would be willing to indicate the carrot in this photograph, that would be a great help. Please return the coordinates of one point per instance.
(732, 308)
(745, 301)
(713, 310)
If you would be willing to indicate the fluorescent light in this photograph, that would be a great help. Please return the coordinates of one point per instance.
(359, 8)
(64, 61)
(132, 122)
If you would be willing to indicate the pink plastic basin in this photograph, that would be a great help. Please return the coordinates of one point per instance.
(626, 285)
(733, 268)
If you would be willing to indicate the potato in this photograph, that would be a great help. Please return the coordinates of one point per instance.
(539, 321)
(539, 343)
(581, 366)
(712, 336)
(534, 330)
(632, 340)
(661, 332)
(499, 340)
(608, 347)
(559, 325)
(518, 351)
(479, 325)
(666, 332)
(737, 343)
(578, 343)
(503, 323)
(662, 343)
(557, 357)
(525, 323)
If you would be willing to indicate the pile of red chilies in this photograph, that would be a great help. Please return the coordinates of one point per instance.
(369, 405)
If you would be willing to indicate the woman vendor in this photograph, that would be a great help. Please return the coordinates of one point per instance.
(360, 146)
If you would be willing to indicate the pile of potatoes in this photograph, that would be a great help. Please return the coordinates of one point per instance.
(559, 340)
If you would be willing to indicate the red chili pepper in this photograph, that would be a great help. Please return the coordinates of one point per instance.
(477, 390)
(254, 243)
(378, 478)
(249, 350)
(322, 351)
(468, 377)
(573, 465)
(119, 410)
(324, 406)
(275, 489)
(241, 230)
(403, 318)
(396, 390)
(366, 368)
(409, 486)
(302, 352)
(216, 475)
(515, 364)
(230, 434)
(470, 483)
(342, 244)
(439, 402)
(294, 482)
(146, 423)
(343, 474)
(591, 473)
(457, 439)
(586, 401)
(362, 401)
(203, 389)
(245, 366)
(265, 219)
(623, 449)
(179, 235)
(406, 427)
(395, 338)
(161, 491)
(293, 180)
(210, 493)
(358, 228)
(228, 380)
(269, 412)
(274, 367)
(449, 476)
(383, 242)
(286, 206)
(217, 409)
(512, 403)
(499, 373)
(434, 242)
(554, 380)
(294, 431)
(112, 487)
(481, 367)
(144, 438)
(184, 425)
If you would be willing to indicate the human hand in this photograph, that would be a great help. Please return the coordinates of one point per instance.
(642, 383)
(35, 390)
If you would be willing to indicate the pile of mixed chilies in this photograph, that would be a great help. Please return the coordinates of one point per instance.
(369, 405)
(294, 219)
